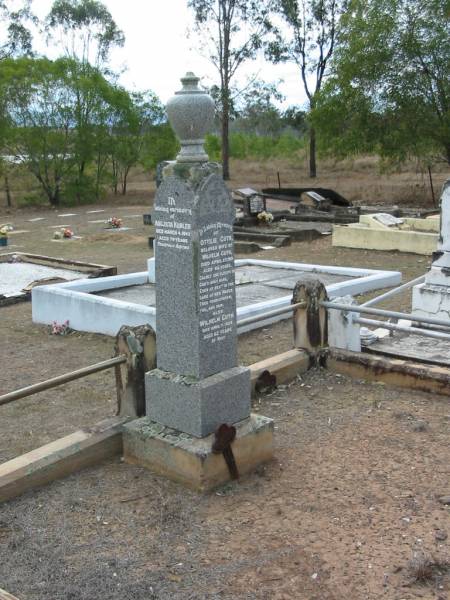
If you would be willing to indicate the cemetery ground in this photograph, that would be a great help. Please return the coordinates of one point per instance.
(349, 507)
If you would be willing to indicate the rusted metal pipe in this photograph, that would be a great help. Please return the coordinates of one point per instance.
(55, 381)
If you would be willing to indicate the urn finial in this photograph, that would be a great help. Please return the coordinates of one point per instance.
(191, 114)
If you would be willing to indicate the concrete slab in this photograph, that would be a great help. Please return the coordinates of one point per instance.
(19, 269)
(16, 276)
(413, 347)
(138, 294)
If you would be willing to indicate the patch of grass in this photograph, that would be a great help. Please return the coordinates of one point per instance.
(423, 568)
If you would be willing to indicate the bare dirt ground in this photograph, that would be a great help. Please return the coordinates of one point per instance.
(350, 498)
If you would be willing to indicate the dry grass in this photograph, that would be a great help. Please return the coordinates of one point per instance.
(423, 568)
(360, 180)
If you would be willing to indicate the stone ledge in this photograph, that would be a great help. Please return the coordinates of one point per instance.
(190, 460)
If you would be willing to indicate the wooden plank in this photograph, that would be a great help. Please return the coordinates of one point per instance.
(6, 596)
(285, 366)
(66, 455)
(396, 372)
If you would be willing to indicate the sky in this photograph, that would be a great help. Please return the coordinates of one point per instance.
(158, 50)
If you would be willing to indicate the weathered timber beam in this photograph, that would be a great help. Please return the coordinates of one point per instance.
(392, 371)
(6, 596)
(62, 457)
(285, 366)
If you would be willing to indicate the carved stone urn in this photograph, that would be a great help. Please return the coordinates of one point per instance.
(191, 114)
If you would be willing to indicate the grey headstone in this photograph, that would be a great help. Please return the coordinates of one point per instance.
(197, 385)
(195, 295)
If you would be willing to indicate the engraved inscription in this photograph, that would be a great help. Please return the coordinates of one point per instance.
(216, 282)
(170, 232)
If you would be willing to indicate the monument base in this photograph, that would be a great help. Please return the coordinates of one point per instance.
(190, 460)
(194, 406)
(431, 301)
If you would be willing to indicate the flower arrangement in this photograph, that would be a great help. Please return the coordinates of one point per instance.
(265, 218)
(4, 235)
(64, 233)
(60, 329)
(114, 222)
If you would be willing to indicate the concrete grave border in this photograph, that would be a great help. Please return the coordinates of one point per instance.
(85, 311)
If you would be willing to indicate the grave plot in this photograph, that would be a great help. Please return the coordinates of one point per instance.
(20, 272)
(105, 305)
(382, 231)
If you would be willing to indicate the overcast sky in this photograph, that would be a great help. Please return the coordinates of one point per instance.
(158, 52)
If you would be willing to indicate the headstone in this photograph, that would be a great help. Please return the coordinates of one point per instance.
(432, 298)
(198, 384)
(388, 220)
(254, 203)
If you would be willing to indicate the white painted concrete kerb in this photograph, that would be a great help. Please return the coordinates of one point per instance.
(75, 302)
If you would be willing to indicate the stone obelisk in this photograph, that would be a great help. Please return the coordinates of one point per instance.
(197, 385)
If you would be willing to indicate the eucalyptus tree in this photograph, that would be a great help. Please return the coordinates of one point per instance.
(390, 91)
(231, 33)
(87, 32)
(15, 34)
(131, 135)
(307, 36)
(39, 119)
(85, 29)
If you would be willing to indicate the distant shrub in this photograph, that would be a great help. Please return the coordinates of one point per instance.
(246, 145)
(212, 147)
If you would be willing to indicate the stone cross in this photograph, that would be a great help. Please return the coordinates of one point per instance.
(197, 384)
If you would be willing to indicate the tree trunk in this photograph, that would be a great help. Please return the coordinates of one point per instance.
(447, 153)
(225, 137)
(8, 192)
(312, 153)
(124, 182)
(54, 201)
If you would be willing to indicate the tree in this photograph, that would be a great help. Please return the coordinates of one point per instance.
(40, 123)
(87, 32)
(312, 34)
(129, 140)
(390, 92)
(258, 114)
(232, 32)
(17, 38)
(85, 29)
(39, 118)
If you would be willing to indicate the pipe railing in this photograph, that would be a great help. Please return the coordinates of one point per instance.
(385, 313)
(395, 291)
(394, 327)
(61, 379)
(363, 309)
(269, 314)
